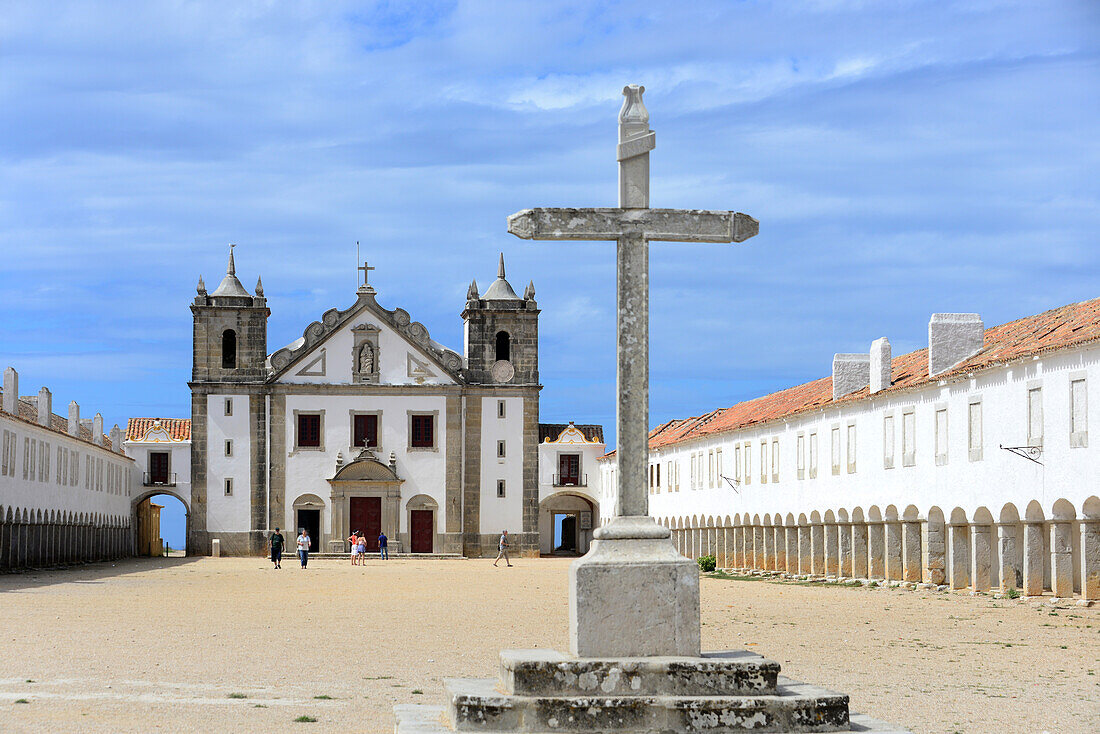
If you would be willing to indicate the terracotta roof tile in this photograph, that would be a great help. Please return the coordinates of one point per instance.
(26, 409)
(1060, 328)
(179, 429)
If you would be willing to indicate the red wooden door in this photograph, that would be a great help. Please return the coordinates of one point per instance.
(366, 517)
(422, 531)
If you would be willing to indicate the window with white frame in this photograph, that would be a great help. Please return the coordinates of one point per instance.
(1035, 416)
(908, 438)
(834, 434)
(737, 463)
(851, 448)
(888, 441)
(748, 463)
(941, 436)
(764, 462)
(775, 459)
(691, 476)
(800, 455)
(1078, 414)
(710, 468)
(813, 455)
(974, 429)
(718, 466)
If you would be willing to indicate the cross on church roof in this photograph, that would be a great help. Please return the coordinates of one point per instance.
(366, 273)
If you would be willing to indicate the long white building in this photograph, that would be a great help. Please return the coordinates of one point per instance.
(65, 488)
(968, 462)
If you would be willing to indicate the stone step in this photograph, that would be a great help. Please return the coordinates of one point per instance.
(479, 705)
(428, 719)
(375, 557)
(550, 673)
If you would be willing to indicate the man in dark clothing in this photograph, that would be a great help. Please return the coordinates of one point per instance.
(383, 546)
(276, 544)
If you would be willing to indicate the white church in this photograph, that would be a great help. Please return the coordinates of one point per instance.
(366, 423)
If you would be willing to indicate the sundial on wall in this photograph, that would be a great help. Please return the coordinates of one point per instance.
(502, 371)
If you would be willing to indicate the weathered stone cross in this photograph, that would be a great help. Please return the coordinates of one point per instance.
(366, 272)
(633, 225)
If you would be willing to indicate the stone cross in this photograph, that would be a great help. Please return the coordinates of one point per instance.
(366, 272)
(633, 226)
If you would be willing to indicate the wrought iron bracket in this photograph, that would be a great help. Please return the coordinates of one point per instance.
(1031, 453)
(734, 484)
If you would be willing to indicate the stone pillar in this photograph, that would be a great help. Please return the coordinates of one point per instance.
(759, 560)
(1033, 559)
(817, 549)
(728, 548)
(779, 542)
(911, 550)
(1061, 558)
(832, 562)
(805, 550)
(74, 419)
(937, 551)
(1090, 558)
(792, 549)
(980, 557)
(45, 407)
(769, 548)
(876, 549)
(844, 547)
(737, 546)
(893, 551)
(859, 550)
(960, 552)
(712, 542)
(11, 390)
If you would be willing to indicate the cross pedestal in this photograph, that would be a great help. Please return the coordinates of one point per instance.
(635, 664)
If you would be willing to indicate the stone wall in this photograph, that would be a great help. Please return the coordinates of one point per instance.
(1056, 553)
(40, 539)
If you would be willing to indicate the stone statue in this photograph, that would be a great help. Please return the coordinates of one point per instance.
(366, 360)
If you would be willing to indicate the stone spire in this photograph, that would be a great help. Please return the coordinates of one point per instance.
(230, 286)
(259, 287)
(529, 293)
(500, 289)
(471, 293)
(201, 288)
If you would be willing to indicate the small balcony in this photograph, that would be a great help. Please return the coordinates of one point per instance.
(158, 479)
(571, 480)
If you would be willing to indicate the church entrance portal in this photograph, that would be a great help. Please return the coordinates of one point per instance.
(366, 517)
(311, 521)
(422, 531)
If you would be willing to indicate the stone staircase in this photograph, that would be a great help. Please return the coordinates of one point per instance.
(542, 691)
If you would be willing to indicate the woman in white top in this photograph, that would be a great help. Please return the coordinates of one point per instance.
(303, 547)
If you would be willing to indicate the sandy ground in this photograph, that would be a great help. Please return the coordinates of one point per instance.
(163, 644)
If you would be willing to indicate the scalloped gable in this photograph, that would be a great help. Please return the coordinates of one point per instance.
(282, 362)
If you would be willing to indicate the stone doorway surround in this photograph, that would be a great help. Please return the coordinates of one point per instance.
(365, 476)
(422, 502)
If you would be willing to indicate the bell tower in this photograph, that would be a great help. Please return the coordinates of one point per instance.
(501, 334)
(230, 331)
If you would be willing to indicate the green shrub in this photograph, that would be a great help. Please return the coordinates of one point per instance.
(707, 563)
(1012, 594)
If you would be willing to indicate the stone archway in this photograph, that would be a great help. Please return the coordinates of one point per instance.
(570, 515)
(140, 519)
(421, 516)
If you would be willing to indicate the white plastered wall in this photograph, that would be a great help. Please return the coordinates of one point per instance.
(228, 513)
(501, 513)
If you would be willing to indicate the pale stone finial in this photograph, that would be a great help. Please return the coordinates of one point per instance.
(45, 407)
(633, 110)
(635, 142)
(74, 419)
(471, 292)
(259, 287)
(11, 390)
(529, 292)
(201, 288)
(500, 268)
(232, 268)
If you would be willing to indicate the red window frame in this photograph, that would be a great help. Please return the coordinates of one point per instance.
(365, 430)
(309, 430)
(422, 432)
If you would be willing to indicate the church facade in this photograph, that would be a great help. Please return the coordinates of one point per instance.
(365, 423)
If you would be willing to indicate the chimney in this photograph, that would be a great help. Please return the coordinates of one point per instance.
(953, 338)
(74, 419)
(851, 372)
(11, 390)
(881, 364)
(45, 407)
(97, 430)
(116, 439)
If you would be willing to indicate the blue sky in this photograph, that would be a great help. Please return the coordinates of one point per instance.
(903, 158)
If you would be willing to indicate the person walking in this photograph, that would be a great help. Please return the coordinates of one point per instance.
(275, 543)
(303, 547)
(383, 546)
(503, 549)
(354, 540)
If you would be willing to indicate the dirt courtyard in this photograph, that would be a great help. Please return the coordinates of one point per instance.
(232, 645)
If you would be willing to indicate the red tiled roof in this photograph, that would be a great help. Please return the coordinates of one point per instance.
(179, 429)
(1060, 328)
(26, 409)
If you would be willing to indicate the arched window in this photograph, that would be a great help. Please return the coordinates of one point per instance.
(229, 349)
(504, 346)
